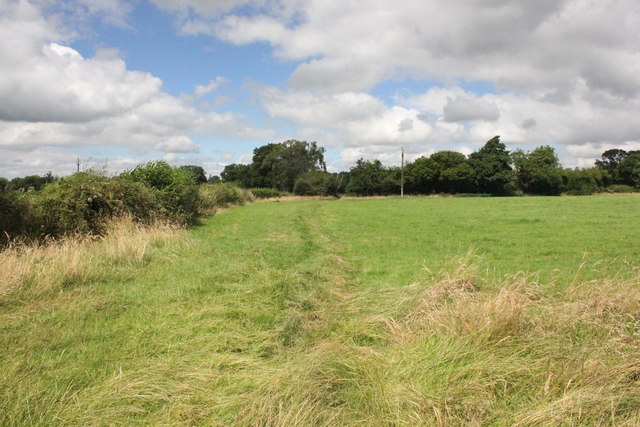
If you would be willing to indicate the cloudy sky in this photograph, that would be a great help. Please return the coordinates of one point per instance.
(117, 83)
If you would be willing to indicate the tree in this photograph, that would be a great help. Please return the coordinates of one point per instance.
(279, 165)
(611, 159)
(199, 176)
(492, 167)
(628, 171)
(458, 179)
(539, 171)
(315, 183)
(366, 178)
(238, 173)
(423, 175)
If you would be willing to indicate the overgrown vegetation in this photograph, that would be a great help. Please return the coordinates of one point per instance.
(84, 203)
(299, 166)
(329, 313)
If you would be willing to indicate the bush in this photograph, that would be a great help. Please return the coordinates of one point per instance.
(84, 202)
(222, 195)
(620, 188)
(266, 193)
(175, 189)
(15, 215)
(315, 183)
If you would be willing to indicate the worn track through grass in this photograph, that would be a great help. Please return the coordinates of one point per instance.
(266, 315)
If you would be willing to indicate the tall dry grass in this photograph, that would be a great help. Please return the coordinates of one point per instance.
(29, 271)
(463, 352)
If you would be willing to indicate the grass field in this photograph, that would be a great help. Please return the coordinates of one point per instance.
(420, 311)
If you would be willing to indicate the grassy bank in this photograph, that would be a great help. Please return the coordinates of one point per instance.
(341, 312)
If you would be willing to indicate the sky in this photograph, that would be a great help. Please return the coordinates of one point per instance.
(117, 83)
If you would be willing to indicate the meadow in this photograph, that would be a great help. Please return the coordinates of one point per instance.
(415, 311)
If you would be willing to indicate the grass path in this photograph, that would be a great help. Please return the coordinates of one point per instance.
(320, 313)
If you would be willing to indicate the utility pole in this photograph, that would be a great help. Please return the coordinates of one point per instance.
(78, 163)
(402, 172)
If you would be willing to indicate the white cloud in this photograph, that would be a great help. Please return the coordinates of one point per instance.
(462, 109)
(212, 86)
(177, 144)
(52, 98)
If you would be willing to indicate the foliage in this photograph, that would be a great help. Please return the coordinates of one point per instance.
(492, 168)
(237, 173)
(582, 182)
(610, 160)
(628, 170)
(15, 216)
(222, 195)
(315, 183)
(31, 182)
(266, 193)
(620, 188)
(84, 202)
(175, 189)
(539, 171)
(199, 176)
(365, 178)
(280, 165)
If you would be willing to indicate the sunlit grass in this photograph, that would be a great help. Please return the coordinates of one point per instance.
(350, 312)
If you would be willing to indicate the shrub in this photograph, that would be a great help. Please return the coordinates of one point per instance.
(15, 215)
(266, 193)
(315, 183)
(222, 195)
(84, 202)
(620, 188)
(175, 189)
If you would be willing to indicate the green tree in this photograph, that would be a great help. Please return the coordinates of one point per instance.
(610, 160)
(423, 175)
(237, 173)
(366, 178)
(492, 168)
(628, 170)
(279, 165)
(458, 179)
(315, 183)
(199, 176)
(539, 171)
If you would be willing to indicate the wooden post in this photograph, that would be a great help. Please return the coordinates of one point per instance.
(402, 172)
(78, 163)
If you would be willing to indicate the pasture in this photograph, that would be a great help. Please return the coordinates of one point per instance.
(415, 311)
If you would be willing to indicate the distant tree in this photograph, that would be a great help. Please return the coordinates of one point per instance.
(213, 179)
(581, 182)
(238, 173)
(492, 168)
(31, 182)
(458, 179)
(628, 170)
(198, 173)
(366, 178)
(423, 175)
(610, 159)
(279, 165)
(4, 184)
(539, 171)
(315, 183)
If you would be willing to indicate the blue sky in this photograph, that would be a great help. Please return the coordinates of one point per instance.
(117, 83)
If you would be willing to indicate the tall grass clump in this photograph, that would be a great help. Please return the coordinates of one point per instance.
(222, 195)
(31, 271)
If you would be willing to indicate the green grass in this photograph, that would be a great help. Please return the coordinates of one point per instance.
(323, 313)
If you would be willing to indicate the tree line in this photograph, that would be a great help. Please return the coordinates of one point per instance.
(299, 167)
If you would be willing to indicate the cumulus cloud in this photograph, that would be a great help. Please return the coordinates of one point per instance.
(467, 110)
(212, 86)
(177, 144)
